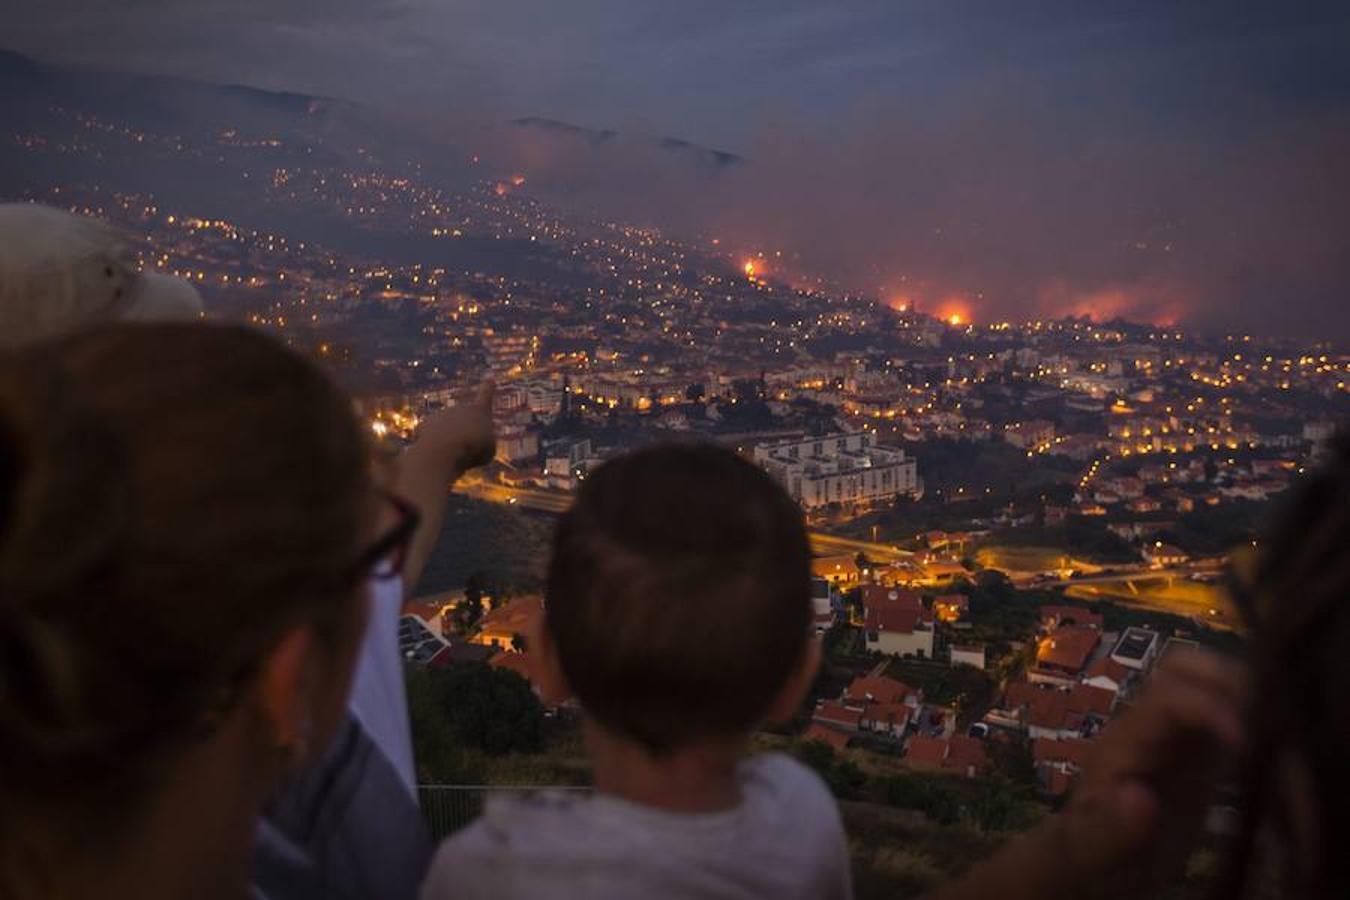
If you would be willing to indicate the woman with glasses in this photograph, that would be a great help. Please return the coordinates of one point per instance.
(189, 531)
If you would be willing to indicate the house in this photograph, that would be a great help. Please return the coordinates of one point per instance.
(968, 655)
(960, 754)
(888, 706)
(1160, 555)
(1125, 487)
(1052, 713)
(841, 569)
(824, 602)
(819, 731)
(1179, 500)
(838, 715)
(950, 607)
(1058, 763)
(518, 617)
(1109, 675)
(1031, 435)
(1137, 648)
(1063, 655)
(895, 622)
(1143, 505)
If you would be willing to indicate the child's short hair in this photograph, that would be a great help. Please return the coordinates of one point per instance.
(679, 594)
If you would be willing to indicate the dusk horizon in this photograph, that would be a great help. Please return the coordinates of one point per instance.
(1178, 168)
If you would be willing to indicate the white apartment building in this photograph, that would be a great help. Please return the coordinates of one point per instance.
(839, 468)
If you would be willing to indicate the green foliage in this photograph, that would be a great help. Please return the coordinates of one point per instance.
(1082, 536)
(1217, 529)
(469, 707)
(929, 795)
(845, 780)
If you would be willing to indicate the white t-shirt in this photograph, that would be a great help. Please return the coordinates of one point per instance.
(379, 700)
(785, 840)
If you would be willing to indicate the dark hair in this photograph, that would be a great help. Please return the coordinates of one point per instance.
(679, 594)
(173, 498)
(1298, 603)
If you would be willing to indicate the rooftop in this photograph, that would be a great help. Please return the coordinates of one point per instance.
(1068, 647)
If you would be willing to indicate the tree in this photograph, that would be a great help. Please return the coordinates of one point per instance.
(470, 610)
(475, 706)
(519, 643)
(695, 393)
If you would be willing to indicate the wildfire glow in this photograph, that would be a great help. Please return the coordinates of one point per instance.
(499, 189)
(955, 319)
(518, 180)
(750, 268)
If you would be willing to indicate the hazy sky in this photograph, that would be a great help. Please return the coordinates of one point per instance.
(1180, 159)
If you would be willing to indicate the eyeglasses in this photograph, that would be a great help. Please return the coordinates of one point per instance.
(383, 559)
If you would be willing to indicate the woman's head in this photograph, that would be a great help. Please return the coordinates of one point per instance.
(1298, 599)
(181, 507)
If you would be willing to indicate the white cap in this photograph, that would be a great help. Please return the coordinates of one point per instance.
(60, 272)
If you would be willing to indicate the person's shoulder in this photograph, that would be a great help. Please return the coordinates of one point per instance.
(513, 832)
(784, 780)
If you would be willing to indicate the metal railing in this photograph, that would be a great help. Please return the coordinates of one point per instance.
(449, 807)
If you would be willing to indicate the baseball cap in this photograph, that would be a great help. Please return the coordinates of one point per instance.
(60, 272)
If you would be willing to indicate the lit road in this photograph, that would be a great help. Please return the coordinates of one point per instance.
(554, 502)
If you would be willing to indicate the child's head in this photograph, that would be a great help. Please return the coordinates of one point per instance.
(679, 597)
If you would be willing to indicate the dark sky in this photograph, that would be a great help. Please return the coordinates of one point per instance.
(1181, 160)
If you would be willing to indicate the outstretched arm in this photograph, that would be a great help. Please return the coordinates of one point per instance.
(448, 444)
(1135, 816)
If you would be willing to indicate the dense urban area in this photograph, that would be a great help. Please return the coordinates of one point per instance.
(1013, 521)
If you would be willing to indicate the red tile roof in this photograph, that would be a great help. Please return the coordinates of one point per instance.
(1088, 699)
(1060, 782)
(958, 753)
(1108, 667)
(966, 752)
(1056, 709)
(1070, 751)
(892, 714)
(926, 752)
(900, 598)
(1068, 647)
(520, 663)
(878, 689)
(891, 619)
(832, 711)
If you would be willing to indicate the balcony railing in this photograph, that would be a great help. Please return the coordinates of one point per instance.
(449, 807)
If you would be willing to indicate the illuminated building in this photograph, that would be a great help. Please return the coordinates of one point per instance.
(839, 468)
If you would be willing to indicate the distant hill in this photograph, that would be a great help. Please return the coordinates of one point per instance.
(606, 135)
(169, 105)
